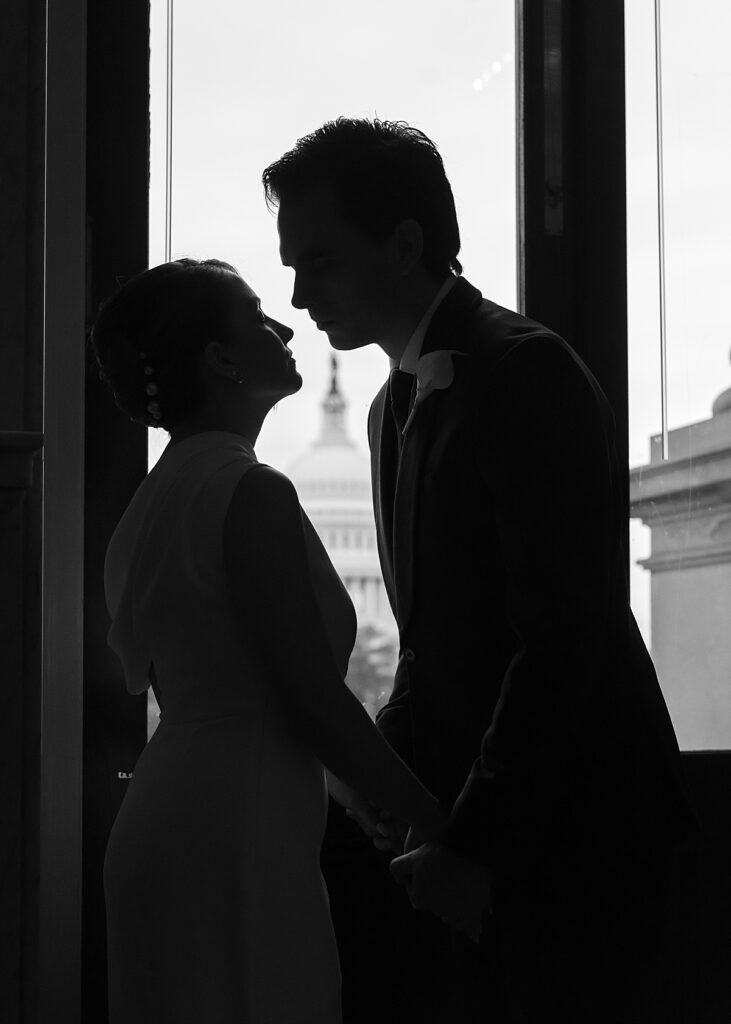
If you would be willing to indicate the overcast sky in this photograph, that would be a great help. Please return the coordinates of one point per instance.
(250, 79)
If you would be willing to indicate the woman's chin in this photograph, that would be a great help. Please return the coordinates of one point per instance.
(282, 389)
(292, 384)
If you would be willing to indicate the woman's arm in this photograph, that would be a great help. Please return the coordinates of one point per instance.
(265, 560)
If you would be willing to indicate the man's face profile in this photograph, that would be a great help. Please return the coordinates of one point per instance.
(344, 279)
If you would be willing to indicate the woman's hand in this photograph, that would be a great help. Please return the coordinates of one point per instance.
(356, 806)
(391, 834)
(387, 833)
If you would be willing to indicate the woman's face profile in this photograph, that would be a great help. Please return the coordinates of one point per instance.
(259, 349)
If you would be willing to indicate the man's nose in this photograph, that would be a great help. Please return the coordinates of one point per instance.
(299, 296)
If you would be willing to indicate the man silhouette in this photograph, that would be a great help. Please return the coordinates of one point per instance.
(524, 696)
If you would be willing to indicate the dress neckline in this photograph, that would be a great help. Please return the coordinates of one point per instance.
(208, 439)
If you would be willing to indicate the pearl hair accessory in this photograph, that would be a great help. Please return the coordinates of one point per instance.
(151, 389)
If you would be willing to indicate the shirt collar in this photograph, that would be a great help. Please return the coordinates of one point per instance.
(412, 352)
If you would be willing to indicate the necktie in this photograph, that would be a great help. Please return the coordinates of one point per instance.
(401, 386)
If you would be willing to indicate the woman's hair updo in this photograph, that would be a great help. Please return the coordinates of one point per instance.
(148, 337)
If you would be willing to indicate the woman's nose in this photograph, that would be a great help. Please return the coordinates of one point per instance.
(284, 332)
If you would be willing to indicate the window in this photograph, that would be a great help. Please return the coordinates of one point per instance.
(444, 67)
(447, 68)
(681, 527)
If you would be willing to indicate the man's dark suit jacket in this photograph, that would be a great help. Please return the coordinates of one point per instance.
(525, 698)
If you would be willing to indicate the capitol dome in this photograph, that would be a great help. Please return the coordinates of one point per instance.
(333, 481)
(722, 403)
(332, 468)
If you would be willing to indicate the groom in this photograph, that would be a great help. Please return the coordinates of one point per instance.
(524, 696)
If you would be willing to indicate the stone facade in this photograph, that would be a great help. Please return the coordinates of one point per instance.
(686, 502)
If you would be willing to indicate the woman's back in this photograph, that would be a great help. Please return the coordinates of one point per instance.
(213, 861)
(167, 590)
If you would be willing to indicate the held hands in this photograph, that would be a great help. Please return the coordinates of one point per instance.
(390, 833)
(454, 889)
(387, 833)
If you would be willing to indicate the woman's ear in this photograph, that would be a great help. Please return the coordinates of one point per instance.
(218, 360)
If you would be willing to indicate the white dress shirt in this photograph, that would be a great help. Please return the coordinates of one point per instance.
(412, 352)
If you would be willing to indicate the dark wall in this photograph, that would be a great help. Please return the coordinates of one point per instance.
(707, 909)
(22, 49)
(572, 209)
(22, 43)
(116, 449)
(571, 186)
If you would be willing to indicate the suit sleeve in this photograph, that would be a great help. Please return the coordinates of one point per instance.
(544, 452)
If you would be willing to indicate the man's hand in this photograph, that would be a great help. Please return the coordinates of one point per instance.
(454, 889)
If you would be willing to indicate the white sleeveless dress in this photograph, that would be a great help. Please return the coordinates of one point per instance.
(217, 912)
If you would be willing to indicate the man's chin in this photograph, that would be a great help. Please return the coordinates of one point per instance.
(342, 342)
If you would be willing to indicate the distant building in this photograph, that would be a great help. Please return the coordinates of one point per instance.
(686, 502)
(333, 481)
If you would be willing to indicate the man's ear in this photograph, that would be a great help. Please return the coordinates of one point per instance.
(409, 239)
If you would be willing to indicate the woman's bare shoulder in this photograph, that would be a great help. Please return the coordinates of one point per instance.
(263, 486)
(263, 506)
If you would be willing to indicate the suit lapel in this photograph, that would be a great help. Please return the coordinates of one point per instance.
(405, 507)
(446, 331)
(384, 459)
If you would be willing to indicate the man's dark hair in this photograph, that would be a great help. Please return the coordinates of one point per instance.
(379, 173)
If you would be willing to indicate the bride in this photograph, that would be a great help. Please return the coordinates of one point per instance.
(223, 599)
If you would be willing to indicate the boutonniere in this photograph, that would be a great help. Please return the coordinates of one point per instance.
(434, 372)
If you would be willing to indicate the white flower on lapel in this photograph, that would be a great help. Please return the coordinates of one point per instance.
(434, 372)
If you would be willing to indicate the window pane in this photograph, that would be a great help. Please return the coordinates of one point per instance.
(681, 508)
(249, 80)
